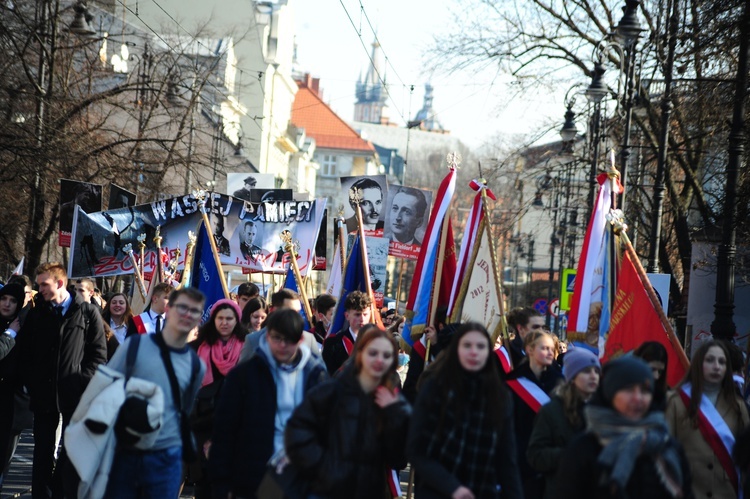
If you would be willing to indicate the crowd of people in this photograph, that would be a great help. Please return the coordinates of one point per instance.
(261, 401)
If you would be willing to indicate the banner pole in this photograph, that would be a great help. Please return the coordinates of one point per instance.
(655, 300)
(201, 197)
(365, 261)
(400, 278)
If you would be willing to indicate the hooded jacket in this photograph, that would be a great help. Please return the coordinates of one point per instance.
(243, 438)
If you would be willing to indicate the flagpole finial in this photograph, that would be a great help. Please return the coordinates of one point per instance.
(127, 249)
(141, 240)
(341, 211)
(200, 195)
(617, 219)
(613, 172)
(289, 245)
(157, 236)
(453, 159)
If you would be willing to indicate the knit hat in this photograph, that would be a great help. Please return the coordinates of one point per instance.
(14, 290)
(231, 303)
(578, 359)
(624, 372)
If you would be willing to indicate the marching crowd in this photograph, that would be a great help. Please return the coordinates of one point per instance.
(257, 403)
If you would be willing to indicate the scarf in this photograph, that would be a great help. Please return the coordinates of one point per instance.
(222, 355)
(624, 441)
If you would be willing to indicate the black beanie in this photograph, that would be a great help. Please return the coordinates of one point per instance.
(624, 372)
(16, 291)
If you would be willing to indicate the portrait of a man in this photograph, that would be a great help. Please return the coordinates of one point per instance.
(217, 227)
(406, 214)
(371, 198)
(248, 184)
(250, 250)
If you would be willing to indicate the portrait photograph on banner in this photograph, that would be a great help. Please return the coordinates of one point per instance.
(120, 197)
(373, 191)
(406, 216)
(240, 184)
(75, 193)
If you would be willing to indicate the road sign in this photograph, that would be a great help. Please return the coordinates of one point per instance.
(554, 308)
(540, 305)
(567, 284)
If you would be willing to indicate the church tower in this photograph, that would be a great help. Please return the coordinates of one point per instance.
(371, 94)
(426, 117)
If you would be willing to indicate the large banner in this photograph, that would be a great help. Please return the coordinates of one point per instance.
(246, 234)
(372, 191)
(406, 218)
(74, 193)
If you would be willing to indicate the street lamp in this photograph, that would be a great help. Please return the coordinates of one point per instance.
(80, 25)
(595, 93)
(569, 131)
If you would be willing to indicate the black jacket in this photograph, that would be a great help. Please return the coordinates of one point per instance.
(445, 455)
(580, 476)
(524, 419)
(244, 421)
(343, 442)
(59, 356)
(334, 352)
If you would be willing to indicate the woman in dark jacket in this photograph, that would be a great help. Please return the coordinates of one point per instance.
(560, 419)
(626, 451)
(11, 302)
(349, 432)
(540, 368)
(461, 439)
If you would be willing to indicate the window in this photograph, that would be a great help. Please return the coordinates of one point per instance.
(328, 165)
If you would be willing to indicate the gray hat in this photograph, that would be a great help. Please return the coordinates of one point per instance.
(578, 359)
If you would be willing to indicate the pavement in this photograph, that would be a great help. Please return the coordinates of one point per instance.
(18, 482)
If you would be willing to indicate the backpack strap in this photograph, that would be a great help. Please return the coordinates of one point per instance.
(132, 354)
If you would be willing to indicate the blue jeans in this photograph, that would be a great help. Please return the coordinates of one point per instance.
(146, 474)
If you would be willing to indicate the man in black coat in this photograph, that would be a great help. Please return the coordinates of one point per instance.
(338, 348)
(522, 320)
(61, 344)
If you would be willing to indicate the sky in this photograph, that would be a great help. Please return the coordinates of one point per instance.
(474, 106)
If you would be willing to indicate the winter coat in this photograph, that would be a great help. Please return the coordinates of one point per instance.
(552, 432)
(242, 441)
(59, 356)
(580, 476)
(524, 417)
(341, 441)
(446, 456)
(334, 351)
(709, 478)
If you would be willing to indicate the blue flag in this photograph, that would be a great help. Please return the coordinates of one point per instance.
(291, 283)
(205, 274)
(354, 279)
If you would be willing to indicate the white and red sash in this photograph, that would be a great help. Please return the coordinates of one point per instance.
(144, 324)
(716, 433)
(348, 345)
(526, 389)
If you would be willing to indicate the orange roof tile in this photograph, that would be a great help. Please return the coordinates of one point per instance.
(323, 124)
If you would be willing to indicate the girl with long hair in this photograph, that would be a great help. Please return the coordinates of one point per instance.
(559, 420)
(117, 315)
(626, 450)
(11, 301)
(219, 344)
(531, 383)
(706, 414)
(254, 314)
(348, 433)
(461, 439)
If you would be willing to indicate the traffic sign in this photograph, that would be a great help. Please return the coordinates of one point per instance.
(554, 308)
(540, 305)
(567, 284)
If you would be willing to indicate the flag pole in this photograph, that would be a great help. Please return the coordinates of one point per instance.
(620, 229)
(400, 278)
(128, 250)
(289, 246)
(189, 255)
(357, 197)
(201, 197)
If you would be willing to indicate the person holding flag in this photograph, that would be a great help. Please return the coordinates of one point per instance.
(705, 414)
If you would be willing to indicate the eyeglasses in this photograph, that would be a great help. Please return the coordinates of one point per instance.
(275, 338)
(183, 309)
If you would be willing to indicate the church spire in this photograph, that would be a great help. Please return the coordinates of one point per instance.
(370, 91)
